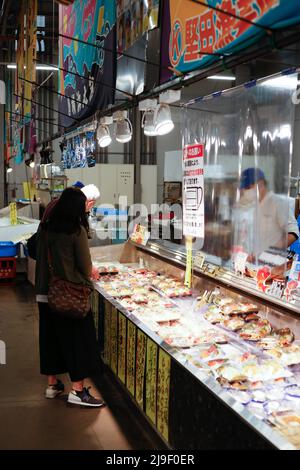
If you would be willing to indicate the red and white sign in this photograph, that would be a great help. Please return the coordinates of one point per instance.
(193, 191)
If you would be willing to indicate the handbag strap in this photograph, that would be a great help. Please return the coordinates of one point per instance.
(49, 257)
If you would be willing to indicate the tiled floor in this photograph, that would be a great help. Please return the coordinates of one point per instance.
(28, 420)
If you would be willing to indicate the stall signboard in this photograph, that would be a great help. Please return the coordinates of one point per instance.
(163, 393)
(193, 191)
(140, 367)
(192, 33)
(122, 347)
(114, 340)
(87, 58)
(107, 316)
(130, 366)
(151, 379)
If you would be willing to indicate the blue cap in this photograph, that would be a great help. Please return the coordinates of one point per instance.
(78, 184)
(251, 176)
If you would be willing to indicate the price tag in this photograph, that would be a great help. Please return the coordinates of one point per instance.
(140, 235)
(293, 283)
(189, 262)
(211, 270)
(277, 288)
(199, 260)
(13, 213)
(239, 262)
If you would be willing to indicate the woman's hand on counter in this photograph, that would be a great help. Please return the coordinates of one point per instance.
(95, 274)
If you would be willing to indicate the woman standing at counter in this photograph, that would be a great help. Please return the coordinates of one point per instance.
(66, 345)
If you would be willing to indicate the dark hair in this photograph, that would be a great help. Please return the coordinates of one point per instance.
(68, 215)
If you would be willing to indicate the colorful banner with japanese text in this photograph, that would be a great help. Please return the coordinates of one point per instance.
(193, 32)
(87, 50)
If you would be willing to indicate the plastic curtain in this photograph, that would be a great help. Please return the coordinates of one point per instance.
(247, 135)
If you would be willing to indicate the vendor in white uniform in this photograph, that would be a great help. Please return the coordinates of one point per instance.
(274, 223)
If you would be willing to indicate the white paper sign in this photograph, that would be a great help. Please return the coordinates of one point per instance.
(193, 191)
(240, 260)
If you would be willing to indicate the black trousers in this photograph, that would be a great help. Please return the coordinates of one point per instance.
(67, 345)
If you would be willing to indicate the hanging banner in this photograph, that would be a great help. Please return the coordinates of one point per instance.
(191, 32)
(193, 191)
(130, 366)
(20, 61)
(17, 133)
(163, 393)
(30, 55)
(89, 72)
(134, 18)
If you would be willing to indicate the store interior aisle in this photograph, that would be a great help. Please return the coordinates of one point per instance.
(28, 420)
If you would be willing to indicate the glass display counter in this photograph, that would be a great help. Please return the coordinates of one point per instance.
(214, 367)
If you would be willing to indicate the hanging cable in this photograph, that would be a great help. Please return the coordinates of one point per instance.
(37, 119)
(46, 107)
(55, 92)
(87, 78)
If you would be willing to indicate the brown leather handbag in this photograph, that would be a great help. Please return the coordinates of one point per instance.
(67, 298)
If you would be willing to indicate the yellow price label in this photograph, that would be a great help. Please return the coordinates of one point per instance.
(13, 213)
(189, 262)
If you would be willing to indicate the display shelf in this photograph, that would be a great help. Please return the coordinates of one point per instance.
(270, 434)
(222, 275)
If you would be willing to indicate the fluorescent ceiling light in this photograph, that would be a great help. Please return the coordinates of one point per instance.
(221, 77)
(284, 82)
(46, 67)
(38, 67)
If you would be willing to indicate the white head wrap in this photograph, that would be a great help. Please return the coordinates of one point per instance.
(91, 192)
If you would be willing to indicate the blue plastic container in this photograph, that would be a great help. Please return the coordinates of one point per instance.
(8, 249)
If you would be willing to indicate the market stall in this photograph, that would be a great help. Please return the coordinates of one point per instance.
(203, 334)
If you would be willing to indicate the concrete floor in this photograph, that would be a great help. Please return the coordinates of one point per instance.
(28, 420)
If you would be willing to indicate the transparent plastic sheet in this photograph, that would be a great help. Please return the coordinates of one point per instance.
(247, 133)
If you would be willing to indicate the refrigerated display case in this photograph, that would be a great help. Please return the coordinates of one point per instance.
(202, 381)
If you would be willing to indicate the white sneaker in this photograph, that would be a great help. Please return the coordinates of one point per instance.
(84, 398)
(53, 390)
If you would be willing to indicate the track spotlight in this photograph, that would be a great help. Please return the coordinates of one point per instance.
(123, 127)
(163, 120)
(148, 122)
(103, 136)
